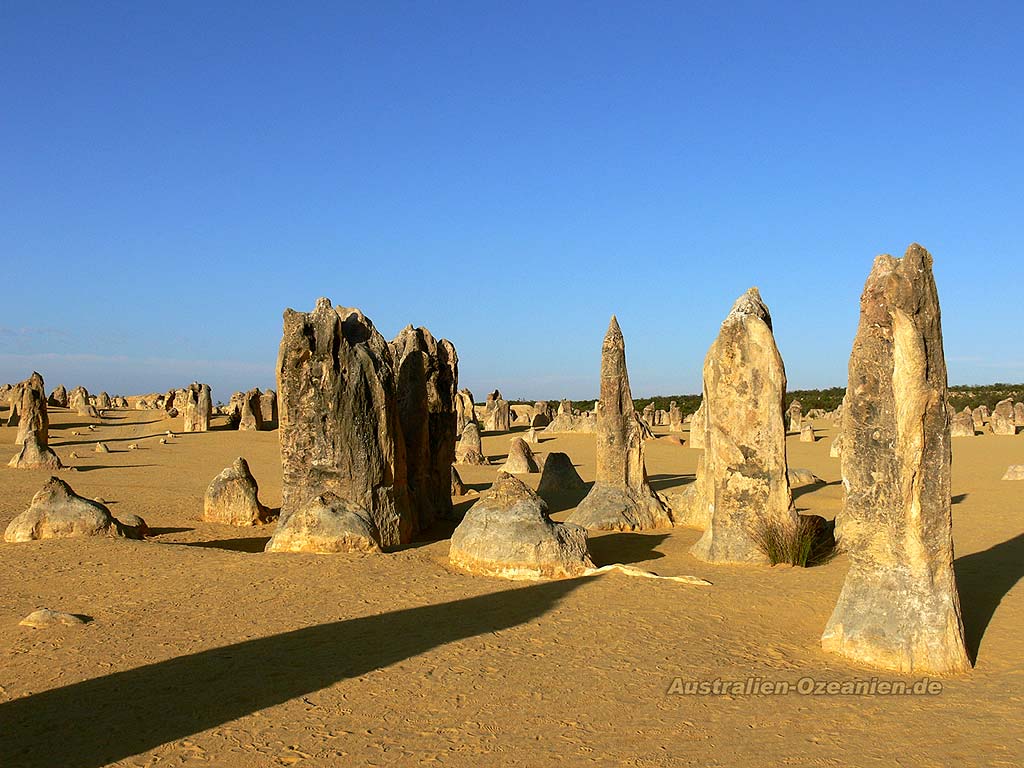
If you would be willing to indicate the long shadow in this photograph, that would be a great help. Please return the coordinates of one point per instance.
(958, 498)
(664, 482)
(108, 718)
(96, 467)
(559, 502)
(983, 579)
(625, 548)
(249, 544)
(811, 487)
(162, 531)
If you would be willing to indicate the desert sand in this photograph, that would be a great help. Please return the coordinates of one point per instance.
(204, 650)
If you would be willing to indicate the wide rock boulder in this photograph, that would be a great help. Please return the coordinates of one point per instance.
(899, 608)
(57, 512)
(507, 533)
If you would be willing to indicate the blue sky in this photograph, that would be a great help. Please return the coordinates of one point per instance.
(507, 175)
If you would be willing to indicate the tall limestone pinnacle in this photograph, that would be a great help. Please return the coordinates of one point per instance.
(899, 608)
(742, 484)
(621, 499)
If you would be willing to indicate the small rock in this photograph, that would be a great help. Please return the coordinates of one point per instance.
(44, 618)
(102, 448)
(133, 446)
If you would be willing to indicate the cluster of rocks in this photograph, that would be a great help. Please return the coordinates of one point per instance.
(253, 410)
(367, 432)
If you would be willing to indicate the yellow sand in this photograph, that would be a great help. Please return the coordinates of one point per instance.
(205, 651)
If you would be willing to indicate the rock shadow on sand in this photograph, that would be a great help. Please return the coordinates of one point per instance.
(100, 721)
(983, 579)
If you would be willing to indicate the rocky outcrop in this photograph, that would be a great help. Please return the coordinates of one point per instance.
(197, 408)
(962, 424)
(464, 411)
(59, 397)
(326, 524)
(559, 478)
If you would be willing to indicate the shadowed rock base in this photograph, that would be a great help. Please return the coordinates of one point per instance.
(326, 525)
(507, 533)
(33, 455)
(608, 508)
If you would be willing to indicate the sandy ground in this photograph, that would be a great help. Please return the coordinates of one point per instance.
(203, 650)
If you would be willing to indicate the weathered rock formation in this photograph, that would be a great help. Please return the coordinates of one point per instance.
(742, 485)
(342, 450)
(326, 524)
(1001, 421)
(250, 412)
(962, 424)
(621, 498)
(807, 434)
(57, 512)
(59, 397)
(33, 428)
(268, 409)
(520, 458)
(507, 533)
(428, 378)
(559, 478)
(498, 416)
(795, 416)
(698, 427)
(899, 607)
(196, 409)
(675, 417)
(458, 487)
(464, 411)
(233, 498)
(470, 448)
(78, 401)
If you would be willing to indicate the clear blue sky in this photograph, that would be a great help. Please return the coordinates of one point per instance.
(173, 175)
